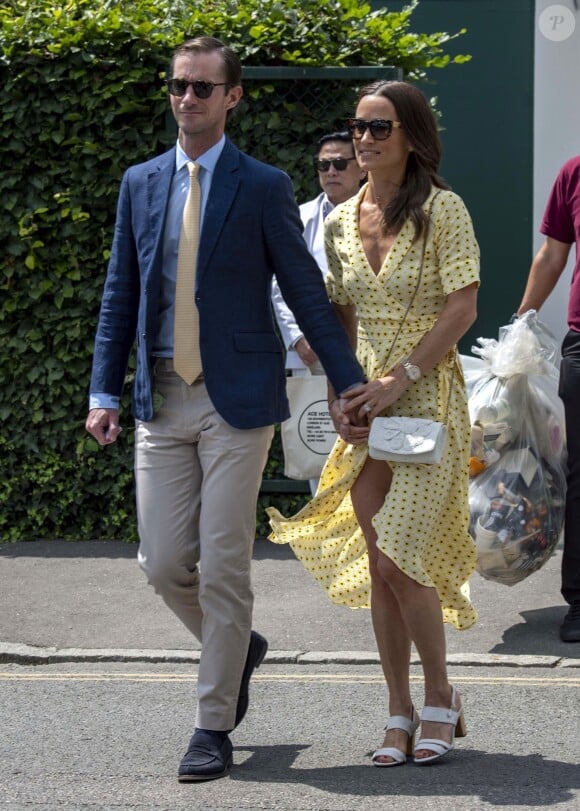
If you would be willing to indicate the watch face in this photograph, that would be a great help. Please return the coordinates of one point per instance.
(413, 372)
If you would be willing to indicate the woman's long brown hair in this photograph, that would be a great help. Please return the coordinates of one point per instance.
(420, 126)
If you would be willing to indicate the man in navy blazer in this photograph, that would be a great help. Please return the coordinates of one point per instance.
(200, 447)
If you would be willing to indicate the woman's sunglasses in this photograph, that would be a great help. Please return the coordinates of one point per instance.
(339, 164)
(379, 128)
(203, 90)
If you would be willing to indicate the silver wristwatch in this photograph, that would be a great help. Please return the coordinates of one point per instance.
(413, 372)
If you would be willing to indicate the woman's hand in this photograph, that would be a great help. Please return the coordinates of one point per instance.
(348, 427)
(371, 399)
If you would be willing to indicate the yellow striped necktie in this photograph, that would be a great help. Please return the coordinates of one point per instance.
(186, 355)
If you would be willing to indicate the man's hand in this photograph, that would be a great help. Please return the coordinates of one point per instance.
(305, 352)
(347, 426)
(103, 424)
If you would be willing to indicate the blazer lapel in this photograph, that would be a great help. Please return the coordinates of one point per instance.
(223, 191)
(158, 189)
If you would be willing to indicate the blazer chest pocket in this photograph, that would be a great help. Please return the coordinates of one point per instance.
(257, 342)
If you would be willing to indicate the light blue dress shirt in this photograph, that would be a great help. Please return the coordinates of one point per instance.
(163, 344)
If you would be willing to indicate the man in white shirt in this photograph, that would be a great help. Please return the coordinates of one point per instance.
(340, 177)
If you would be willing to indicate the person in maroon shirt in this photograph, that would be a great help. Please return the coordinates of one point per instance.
(561, 227)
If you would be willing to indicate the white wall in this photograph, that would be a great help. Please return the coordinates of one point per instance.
(556, 134)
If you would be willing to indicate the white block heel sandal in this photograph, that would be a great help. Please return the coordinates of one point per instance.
(408, 725)
(440, 715)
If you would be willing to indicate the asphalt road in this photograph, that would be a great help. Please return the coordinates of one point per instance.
(97, 695)
(87, 736)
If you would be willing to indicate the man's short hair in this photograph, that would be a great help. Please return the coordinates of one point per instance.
(343, 136)
(232, 64)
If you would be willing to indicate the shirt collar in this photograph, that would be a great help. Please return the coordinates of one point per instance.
(207, 160)
(326, 206)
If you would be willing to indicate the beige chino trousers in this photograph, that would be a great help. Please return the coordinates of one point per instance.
(197, 481)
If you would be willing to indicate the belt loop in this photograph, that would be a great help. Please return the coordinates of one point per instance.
(163, 365)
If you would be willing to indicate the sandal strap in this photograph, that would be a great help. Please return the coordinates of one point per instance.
(408, 725)
(436, 745)
(441, 715)
(390, 751)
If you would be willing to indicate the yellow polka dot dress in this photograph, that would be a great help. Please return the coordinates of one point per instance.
(422, 525)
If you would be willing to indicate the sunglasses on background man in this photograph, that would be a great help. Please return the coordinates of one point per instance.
(340, 164)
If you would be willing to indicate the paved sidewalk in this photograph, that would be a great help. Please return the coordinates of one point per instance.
(88, 601)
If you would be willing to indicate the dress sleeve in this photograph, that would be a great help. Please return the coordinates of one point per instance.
(455, 243)
(334, 285)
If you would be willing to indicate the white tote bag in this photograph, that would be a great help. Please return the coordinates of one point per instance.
(308, 434)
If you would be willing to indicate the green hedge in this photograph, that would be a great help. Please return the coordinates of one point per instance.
(82, 99)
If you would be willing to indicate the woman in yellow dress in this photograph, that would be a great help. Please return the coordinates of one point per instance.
(395, 535)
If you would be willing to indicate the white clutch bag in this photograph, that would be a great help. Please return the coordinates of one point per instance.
(407, 439)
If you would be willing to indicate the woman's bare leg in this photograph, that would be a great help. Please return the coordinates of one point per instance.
(421, 611)
(402, 610)
(393, 639)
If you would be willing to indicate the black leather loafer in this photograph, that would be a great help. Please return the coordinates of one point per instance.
(208, 757)
(256, 653)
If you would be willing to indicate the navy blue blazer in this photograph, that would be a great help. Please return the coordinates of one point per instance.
(251, 230)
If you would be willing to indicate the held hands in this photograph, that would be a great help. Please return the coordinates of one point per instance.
(103, 424)
(348, 426)
(368, 400)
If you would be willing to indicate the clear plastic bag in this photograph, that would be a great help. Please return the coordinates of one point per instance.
(517, 465)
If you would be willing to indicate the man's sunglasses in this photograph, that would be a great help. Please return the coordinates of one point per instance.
(379, 128)
(339, 164)
(203, 90)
